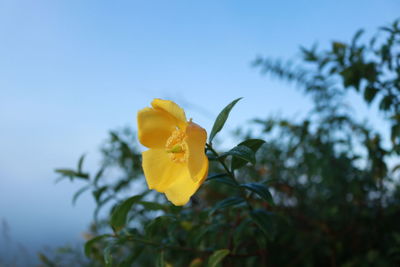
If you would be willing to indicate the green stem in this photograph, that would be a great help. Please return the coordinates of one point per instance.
(230, 174)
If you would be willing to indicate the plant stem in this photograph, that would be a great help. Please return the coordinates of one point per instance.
(230, 174)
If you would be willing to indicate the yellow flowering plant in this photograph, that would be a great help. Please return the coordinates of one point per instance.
(176, 163)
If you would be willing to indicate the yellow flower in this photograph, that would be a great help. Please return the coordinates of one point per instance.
(175, 163)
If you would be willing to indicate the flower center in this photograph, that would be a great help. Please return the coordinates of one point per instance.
(176, 147)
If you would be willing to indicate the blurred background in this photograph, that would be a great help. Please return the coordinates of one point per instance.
(72, 70)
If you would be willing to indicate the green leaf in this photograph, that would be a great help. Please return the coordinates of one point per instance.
(242, 152)
(240, 231)
(160, 259)
(71, 173)
(108, 256)
(357, 36)
(80, 163)
(228, 202)
(78, 193)
(261, 190)
(200, 233)
(122, 184)
(98, 175)
(46, 261)
(100, 204)
(89, 244)
(82, 175)
(152, 205)
(217, 257)
(351, 77)
(128, 262)
(222, 178)
(263, 220)
(120, 213)
(395, 133)
(253, 144)
(338, 48)
(221, 119)
(98, 192)
(158, 224)
(386, 102)
(370, 93)
(66, 172)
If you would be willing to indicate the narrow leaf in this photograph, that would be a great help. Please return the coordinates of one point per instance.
(370, 93)
(357, 36)
(152, 205)
(128, 262)
(98, 175)
(108, 256)
(66, 172)
(222, 178)
(228, 202)
(253, 144)
(157, 224)
(78, 193)
(160, 259)
(242, 152)
(71, 173)
(45, 260)
(89, 244)
(217, 257)
(80, 163)
(221, 119)
(261, 190)
(100, 204)
(98, 192)
(263, 220)
(118, 217)
(82, 175)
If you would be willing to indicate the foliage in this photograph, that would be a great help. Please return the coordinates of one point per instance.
(314, 192)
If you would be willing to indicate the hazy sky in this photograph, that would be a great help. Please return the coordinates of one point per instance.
(72, 70)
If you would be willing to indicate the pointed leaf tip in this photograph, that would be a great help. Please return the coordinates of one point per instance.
(261, 190)
(242, 152)
(221, 119)
(253, 144)
(119, 215)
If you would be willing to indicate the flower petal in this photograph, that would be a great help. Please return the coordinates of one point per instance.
(160, 171)
(154, 127)
(184, 187)
(173, 109)
(196, 141)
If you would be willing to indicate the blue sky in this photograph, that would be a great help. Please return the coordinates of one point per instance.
(72, 70)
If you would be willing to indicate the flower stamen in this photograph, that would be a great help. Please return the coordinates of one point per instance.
(176, 147)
